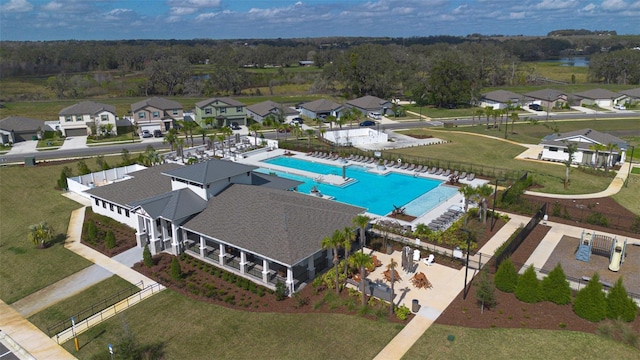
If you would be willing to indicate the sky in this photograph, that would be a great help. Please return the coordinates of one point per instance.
(41, 20)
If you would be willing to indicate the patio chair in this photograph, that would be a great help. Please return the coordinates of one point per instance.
(425, 169)
(433, 170)
(429, 261)
(416, 255)
(372, 160)
(471, 177)
(403, 167)
(455, 173)
(411, 167)
(447, 173)
(439, 172)
(463, 175)
(350, 157)
(385, 163)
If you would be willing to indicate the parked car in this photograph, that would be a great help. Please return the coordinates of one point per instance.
(368, 123)
(323, 118)
(157, 133)
(536, 107)
(297, 121)
(375, 115)
(284, 129)
(147, 134)
(619, 107)
(235, 126)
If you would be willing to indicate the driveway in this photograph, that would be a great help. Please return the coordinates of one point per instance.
(24, 147)
(74, 142)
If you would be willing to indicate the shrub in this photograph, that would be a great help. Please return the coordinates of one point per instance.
(619, 304)
(528, 288)
(110, 240)
(485, 290)
(146, 256)
(300, 300)
(62, 181)
(596, 218)
(281, 291)
(590, 302)
(402, 312)
(555, 287)
(176, 272)
(635, 226)
(506, 277)
(92, 231)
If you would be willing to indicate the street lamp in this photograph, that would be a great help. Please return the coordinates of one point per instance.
(626, 183)
(466, 272)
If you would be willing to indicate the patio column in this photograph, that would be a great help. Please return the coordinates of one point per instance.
(222, 253)
(155, 245)
(141, 232)
(175, 244)
(311, 268)
(290, 280)
(243, 261)
(203, 246)
(265, 271)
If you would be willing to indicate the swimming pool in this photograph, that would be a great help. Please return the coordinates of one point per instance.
(377, 193)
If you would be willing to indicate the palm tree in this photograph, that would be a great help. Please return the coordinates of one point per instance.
(310, 133)
(348, 238)
(362, 261)
(334, 242)
(297, 132)
(227, 132)
(202, 131)
(330, 119)
(484, 191)
(392, 272)
(362, 221)
(597, 148)
(188, 127)
(610, 148)
(488, 111)
(254, 128)
(514, 117)
(571, 149)
(209, 122)
(170, 138)
(355, 115)
(467, 192)
(40, 233)
(180, 148)
(221, 138)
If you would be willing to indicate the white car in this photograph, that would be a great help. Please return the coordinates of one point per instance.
(619, 107)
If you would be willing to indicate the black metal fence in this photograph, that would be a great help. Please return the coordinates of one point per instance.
(94, 309)
(513, 245)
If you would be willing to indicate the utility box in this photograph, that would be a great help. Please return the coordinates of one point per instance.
(30, 161)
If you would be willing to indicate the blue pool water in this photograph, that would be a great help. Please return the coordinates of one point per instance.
(377, 193)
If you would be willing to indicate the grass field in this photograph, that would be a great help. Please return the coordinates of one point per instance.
(514, 344)
(629, 195)
(73, 305)
(190, 329)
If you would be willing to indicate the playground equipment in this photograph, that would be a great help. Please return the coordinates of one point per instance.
(584, 247)
(592, 243)
(617, 254)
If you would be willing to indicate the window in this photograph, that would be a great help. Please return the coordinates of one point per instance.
(175, 111)
(208, 111)
(156, 114)
(141, 115)
(68, 119)
(78, 117)
(239, 109)
(104, 204)
(97, 201)
(223, 110)
(554, 149)
(119, 210)
(111, 207)
(126, 213)
(104, 118)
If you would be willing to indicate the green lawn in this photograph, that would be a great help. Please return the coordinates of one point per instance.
(629, 196)
(190, 329)
(73, 305)
(515, 344)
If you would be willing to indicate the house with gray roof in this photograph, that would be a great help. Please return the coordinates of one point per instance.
(260, 111)
(501, 99)
(156, 113)
(14, 129)
(593, 147)
(628, 97)
(221, 111)
(548, 98)
(224, 213)
(370, 104)
(88, 118)
(320, 107)
(599, 97)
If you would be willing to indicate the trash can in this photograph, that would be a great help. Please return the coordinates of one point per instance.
(389, 249)
(415, 306)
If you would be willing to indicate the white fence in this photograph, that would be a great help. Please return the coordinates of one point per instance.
(79, 184)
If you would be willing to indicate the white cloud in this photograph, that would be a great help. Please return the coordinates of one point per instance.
(52, 6)
(614, 5)
(206, 16)
(589, 7)
(195, 3)
(556, 4)
(179, 11)
(516, 15)
(16, 6)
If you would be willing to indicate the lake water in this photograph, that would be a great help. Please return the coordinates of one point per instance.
(578, 61)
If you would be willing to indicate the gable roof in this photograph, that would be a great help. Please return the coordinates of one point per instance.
(269, 107)
(584, 138)
(502, 96)
(156, 102)
(545, 94)
(595, 94)
(273, 182)
(368, 102)
(210, 171)
(145, 184)
(321, 105)
(20, 124)
(285, 226)
(224, 100)
(174, 205)
(87, 107)
(634, 93)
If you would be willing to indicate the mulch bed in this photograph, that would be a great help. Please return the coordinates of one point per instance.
(511, 312)
(125, 236)
(199, 283)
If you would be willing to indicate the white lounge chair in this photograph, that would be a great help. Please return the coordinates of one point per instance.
(416, 255)
(429, 261)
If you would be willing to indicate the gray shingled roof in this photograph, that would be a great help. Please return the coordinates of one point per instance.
(156, 102)
(545, 94)
(175, 205)
(210, 171)
(502, 96)
(268, 107)
(226, 101)
(321, 105)
(281, 225)
(20, 124)
(145, 184)
(597, 136)
(273, 182)
(87, 107)
(634, 93)
(595, 94)
(368, 102)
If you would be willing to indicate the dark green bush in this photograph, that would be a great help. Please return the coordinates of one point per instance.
(506, 277)
(110, 240)
(596, 218)
(555, 287)
(281, 291)
(176, 272)
(635, 226)
(92, 231)
(619, 304)
(146, 256)
(528, 287)
(590, 302)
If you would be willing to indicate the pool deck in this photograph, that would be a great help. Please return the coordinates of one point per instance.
(456, 200)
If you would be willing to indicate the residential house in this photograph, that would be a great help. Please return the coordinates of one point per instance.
(548, 98)
(225, 110)
(319, 108)
(628, 97)
(14, 129)
(88, 118)
(156, 114)
(555, 147)
(260, 111)
(370, 104)
(599, 97)
(501, 99)
(226, 214)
